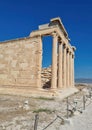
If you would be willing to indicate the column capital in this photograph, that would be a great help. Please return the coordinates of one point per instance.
(73, 56)
(70, 52)
(54, 34)
(59, 38)
(65, 46)
(60, 41)
(74, 48)
(67, 50)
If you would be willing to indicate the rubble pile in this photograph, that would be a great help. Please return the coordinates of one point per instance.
(46, 77)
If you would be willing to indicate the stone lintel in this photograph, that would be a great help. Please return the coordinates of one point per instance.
(49, 31)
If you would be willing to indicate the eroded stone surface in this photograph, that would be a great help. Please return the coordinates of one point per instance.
(18, 62)
(21, 60)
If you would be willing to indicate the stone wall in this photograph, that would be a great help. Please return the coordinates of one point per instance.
(20, 62)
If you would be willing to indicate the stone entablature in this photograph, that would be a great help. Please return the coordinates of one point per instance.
(21, 59)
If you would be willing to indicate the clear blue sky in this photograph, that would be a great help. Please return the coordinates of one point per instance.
(19, 17)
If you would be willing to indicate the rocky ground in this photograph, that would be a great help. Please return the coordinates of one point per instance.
(18, 113)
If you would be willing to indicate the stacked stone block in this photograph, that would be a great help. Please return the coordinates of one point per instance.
(46, 77)
(19, 62)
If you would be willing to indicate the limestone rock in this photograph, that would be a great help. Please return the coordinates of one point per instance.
(46, 77)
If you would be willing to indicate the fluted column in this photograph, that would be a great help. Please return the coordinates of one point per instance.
(67, 68)
(64, 66)
(70, 69)
(73, 70)
(54, 62)
(60, 65)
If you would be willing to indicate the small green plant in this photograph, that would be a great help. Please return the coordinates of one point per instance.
(43, 110)
(45, 98)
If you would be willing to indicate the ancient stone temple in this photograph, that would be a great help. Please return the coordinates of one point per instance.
(21, 59)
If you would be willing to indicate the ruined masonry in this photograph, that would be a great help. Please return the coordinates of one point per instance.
(21, 60)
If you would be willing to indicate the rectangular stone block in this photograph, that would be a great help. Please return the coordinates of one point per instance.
(25, 82)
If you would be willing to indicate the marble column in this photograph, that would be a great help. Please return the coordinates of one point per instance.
(73, 70)
(54, 62)
(67, 68)
(64, 67)
(70, 72)
(60, 64)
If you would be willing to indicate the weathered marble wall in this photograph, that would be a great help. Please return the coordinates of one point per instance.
(20, 62)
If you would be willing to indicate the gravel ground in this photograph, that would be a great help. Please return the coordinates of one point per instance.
(80, 122)
(18, 113)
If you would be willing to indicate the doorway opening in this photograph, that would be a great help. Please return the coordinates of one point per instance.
(46, 62)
